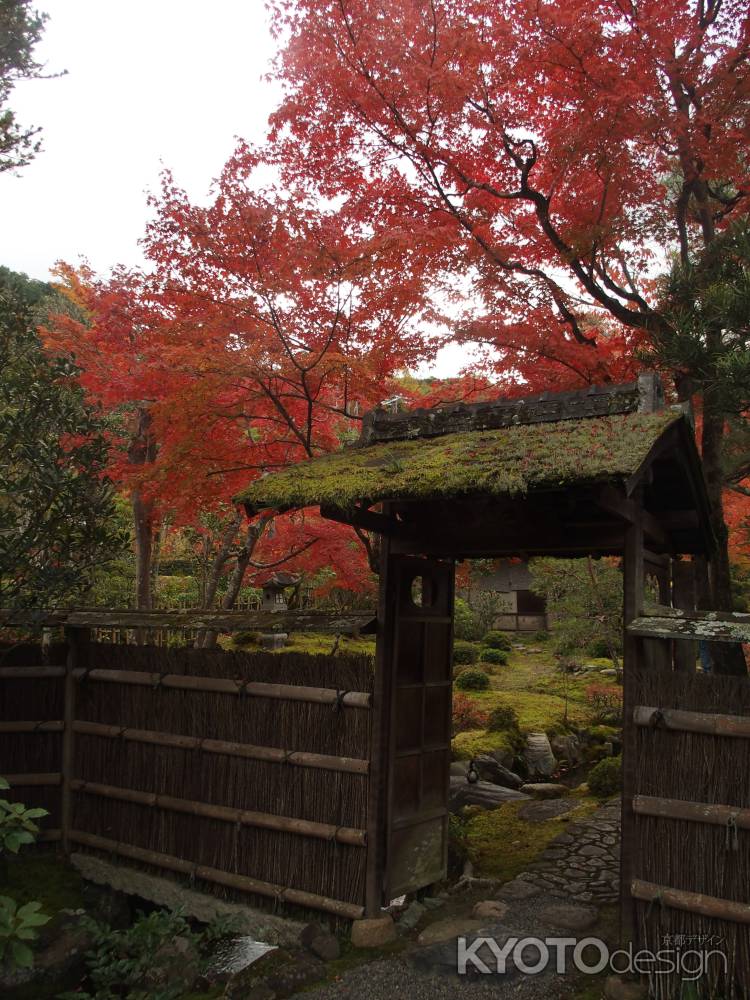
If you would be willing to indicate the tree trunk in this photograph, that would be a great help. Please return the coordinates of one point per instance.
(726, 658)
(253, 536)
(143, 525)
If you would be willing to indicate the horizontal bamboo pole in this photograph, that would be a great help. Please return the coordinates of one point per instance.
(691, 902)
(242, 882)
(228, 685)
(31, 673)
(37, 779)
(274, 755)
(707, 723)
(49, 837)
(694, 812)
(246, 817)
(45, 726)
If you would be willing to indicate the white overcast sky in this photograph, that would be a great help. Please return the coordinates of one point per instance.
(149, 83)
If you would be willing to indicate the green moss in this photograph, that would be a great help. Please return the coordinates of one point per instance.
(320, 642)
(536, 712)
(502, 845)
(46, 877)
(510, 461)
(603, 733)
(479, 741)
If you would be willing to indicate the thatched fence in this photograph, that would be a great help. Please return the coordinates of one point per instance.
(244, 770)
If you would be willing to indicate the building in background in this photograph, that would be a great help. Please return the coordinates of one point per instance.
(520, 610)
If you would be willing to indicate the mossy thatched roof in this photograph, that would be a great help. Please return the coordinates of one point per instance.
(506, 462)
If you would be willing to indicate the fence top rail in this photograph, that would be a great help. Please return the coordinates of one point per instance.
(659, 622)
(220, 621)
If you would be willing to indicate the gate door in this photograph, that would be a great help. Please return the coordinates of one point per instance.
(421, 592)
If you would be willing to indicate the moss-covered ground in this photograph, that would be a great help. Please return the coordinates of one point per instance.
(544, 697)
(318, 642)
(502, 845)
(46, 877)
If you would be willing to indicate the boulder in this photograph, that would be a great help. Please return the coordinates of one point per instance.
(489, 910)
(279, 974)
(518, 889)
(539, 811)
(373, 932)
(567, 748)
(326, 946)
(446, 930)
(412, 915)
(543, 790)
(174, 962)
(482, 793)
(569, 917)
(490, 769)
(538, 755)
(308, 934)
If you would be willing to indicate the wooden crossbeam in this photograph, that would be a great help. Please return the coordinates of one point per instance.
(693, 812)
(706, 723)
(691, 902)
(660, 622)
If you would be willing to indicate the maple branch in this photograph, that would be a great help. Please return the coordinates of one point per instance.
(286, 558)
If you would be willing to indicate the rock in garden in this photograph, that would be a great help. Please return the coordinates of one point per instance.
(571, 918)
(489, 909)
(174, 962)
(446, 930)
(483, 794)
(373, 932)
(567, 748)
(308, 934)
(538, 812)
(608, 672)
(493, 771)
(413, 914)
(279, 974)
(326, 946)
(545, 791)
(518, 889)
(538, 755)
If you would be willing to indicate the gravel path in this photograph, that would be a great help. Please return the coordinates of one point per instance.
(579, 868)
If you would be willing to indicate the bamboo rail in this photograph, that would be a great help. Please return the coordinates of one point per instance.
(245, 817)
(38, 779)
(695, 812)
(242, 882)
(709, 724)
(44, 726)
(691, 902)
(661, 622)
(228, 685)
(31, 673)
(48, 837)
(327, 762)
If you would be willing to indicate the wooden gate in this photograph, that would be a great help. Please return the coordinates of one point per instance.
(687, 790)
(415, 654)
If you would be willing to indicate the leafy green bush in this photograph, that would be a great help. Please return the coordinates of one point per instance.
(502, 718)
(17, 826)
(19, 925)
(498, 640)
(465, 652)
(599, 649)
(473, 680)
(246, 637)
(466, 622)
(141, 961)
(498, 656)
(605, 779)
(541, 636)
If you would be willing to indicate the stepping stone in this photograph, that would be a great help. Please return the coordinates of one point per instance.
(591, 851)
(571, 918)
(482, 793)
(448, 929)
(542, 790)
(538, 812)
(489, 909)
(518, 889)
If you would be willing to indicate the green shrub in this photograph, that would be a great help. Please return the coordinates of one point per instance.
(541, 636)
(599, 648)
(17, 826)
(502, 718)
(18, 926)
(498, 640)
(498, 656)
(605, 779)
(246, 637)
(473, 680)
(466, 623)
(465, 652)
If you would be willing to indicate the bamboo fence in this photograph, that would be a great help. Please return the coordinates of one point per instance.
(248, 772)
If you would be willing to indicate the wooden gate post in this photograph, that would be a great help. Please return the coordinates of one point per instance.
(77, 639)
(633, 573)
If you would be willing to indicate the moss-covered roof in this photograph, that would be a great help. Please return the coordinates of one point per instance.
(506, 462)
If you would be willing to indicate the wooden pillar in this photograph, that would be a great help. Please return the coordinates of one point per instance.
(77, 640)
(633, 572)
(683, 597)
(657, 653)
(381, 700)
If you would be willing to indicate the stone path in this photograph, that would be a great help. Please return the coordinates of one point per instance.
(582, 864)
(558, 894)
